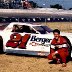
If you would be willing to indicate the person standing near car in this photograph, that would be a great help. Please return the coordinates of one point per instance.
(59, 48)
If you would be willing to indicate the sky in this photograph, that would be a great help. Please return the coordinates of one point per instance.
(46, 3)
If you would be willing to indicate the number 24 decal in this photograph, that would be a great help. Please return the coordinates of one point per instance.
(16, 40)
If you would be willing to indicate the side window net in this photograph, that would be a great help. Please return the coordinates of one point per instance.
(22, 28)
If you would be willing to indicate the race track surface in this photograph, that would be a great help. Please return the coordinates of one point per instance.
(18, 63)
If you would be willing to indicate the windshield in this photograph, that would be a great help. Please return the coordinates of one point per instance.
(42, 29)
(47, 29)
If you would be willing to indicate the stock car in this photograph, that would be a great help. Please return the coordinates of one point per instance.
(26, 38)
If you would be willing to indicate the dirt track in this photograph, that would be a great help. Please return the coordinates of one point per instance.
(12, 63)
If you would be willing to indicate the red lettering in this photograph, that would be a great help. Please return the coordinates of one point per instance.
(16, 40)
(24, 41)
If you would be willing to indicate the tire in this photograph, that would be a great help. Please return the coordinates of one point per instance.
(69, 47)
(1, 45)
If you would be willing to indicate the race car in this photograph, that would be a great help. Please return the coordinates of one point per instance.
(26, 38)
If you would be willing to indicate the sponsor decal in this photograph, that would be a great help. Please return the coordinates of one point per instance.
(41, 53)
(42, 40)
(34, 44)
(37, 44)
(16, 40)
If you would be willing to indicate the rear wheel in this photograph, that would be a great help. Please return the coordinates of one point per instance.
(69, 47)
(1, 45)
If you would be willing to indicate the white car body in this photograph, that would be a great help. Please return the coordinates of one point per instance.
(36, 44)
